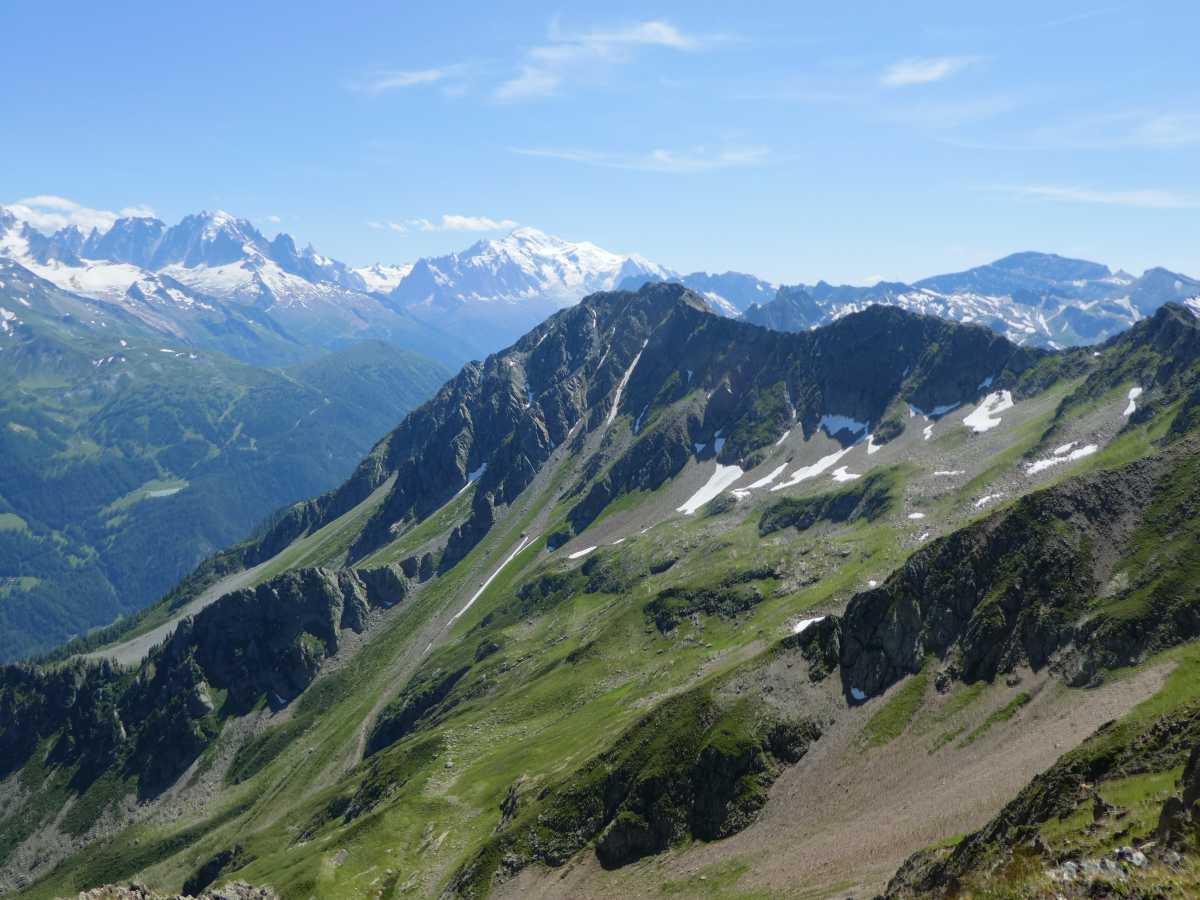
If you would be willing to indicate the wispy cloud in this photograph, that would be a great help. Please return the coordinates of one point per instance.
(50, 212)
(1078, 17)
(1167, 130)
(1141, 199)
(696, 160)
(945, 114)
(924, 70)
(382, 81)
(1144, 128)
(545, 68)
(446, 222)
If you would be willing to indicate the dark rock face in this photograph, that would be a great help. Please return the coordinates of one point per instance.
(1004, 592)
(675, 604)
(421, 696)
(271, 639)
(154, 722)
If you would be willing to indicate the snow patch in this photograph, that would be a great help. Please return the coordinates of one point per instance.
(840, 475)
(1134, 393)
(579, 553)
(916, 515)
(783, 437)
(947, 473)
(984, 501)
(872, 447)
(472, 477)
(928, 431)
(805, 623)
(722, 478)
(1042, 464)
(985, 416)
(483, 587)
(612, 413)
(766, 479)
(806, 472)
(857, 694)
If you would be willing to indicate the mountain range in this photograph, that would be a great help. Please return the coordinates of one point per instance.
(1032, 298)
(215, 281)
(213, 274)
(658, 602)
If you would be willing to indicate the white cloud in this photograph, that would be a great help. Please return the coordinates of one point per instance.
(654, 33)
(1142, 199)
(531, 82)
(384, 80)
(924, 70)
(446, 222)
(398, 227)
(274, 220)
(696, 160)
(546, 67)
(452, 222)
(50, 212)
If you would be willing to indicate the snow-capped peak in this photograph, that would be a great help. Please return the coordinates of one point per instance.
(382, 278)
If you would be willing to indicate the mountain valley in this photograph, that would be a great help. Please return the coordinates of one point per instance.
(130, 456)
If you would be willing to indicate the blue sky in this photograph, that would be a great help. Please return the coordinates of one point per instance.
(793, 140)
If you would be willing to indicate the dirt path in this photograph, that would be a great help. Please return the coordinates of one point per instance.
(839, 823)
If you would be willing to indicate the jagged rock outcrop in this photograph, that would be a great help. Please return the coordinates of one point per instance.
(1007, 591)
(271, 639)
(235, 890)
(1179, 821)
(152, 723)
